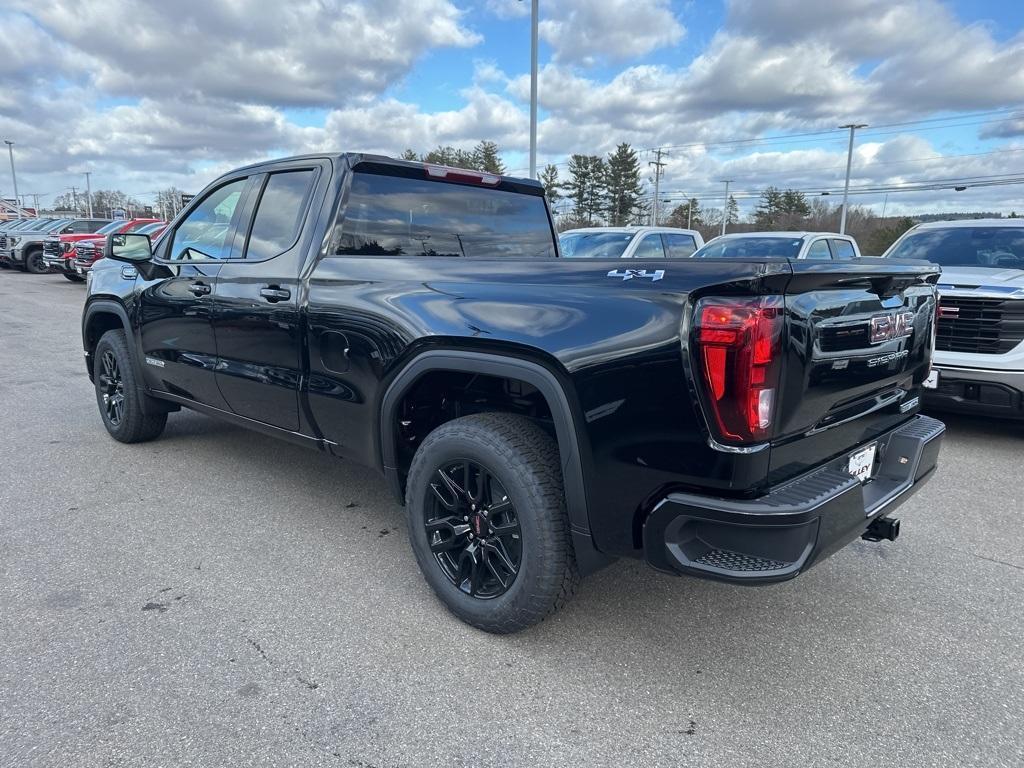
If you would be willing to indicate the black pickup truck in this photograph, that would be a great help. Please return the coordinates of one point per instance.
(731, 419)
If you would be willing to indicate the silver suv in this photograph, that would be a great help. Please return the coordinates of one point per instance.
(978, 365)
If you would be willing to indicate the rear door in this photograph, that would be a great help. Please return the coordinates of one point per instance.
(678, 245)
(256, 314)
(649, 247)
(860, 336)
(176, 299)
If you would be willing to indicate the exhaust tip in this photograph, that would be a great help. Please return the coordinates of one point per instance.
(882, 528)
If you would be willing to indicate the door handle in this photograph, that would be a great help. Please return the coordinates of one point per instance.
(199, 289)
(274, 294)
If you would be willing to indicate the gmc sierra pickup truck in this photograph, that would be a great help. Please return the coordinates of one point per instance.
(732, 419)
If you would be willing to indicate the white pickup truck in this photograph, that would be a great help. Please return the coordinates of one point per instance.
(978, 366)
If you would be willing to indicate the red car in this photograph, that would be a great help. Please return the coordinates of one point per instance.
(90, 250)
(59, 250)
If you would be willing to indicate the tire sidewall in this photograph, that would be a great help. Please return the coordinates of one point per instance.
(34, 262)
(530, 506)
(128, 385)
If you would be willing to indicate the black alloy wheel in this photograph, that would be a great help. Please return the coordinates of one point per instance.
(111, 386)
(34, 263)
(473, 530)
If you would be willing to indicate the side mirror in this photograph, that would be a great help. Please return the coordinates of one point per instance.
(130, 248)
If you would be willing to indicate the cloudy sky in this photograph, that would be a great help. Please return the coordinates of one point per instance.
(147, 93)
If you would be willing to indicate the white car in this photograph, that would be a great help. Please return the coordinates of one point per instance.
(629, 243)
(978, 366)
(790, 245)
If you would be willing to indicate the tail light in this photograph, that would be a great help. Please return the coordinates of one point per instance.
(460, 174)
(739, 346)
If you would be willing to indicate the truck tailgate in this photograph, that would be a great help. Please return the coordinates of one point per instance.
(859, 348)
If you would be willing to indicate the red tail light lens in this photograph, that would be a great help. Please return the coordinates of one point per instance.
(739, 345)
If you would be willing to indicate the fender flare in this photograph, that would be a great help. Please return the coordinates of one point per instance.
(111, 307)
(588, 558)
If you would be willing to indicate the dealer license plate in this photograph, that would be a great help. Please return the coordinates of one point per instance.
(862, 463)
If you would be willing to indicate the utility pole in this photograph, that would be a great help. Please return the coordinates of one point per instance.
(88, 193)
(849, 160)
(74, 197)
(689, 214)
(725, 205)
(658, 165)
(14, 176)
(534, 12)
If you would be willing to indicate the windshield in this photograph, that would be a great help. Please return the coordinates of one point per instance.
(106, 229)
(400, 216)
(594, 245)
(751, 248)
(998, 247)
(149, 229)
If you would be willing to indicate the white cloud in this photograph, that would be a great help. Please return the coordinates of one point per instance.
(585, 32)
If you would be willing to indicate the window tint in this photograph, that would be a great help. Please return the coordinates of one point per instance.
(964, 247)
(396, 216)
(594, 245)
(679, 246)
(204, 233)
(279, 215)
(113, 226)
(649, 248)
(819, 250)
(843, 249)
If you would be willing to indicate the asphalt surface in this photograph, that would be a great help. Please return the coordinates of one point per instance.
(219, 598)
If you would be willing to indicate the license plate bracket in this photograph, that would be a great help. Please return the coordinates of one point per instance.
(861, 463)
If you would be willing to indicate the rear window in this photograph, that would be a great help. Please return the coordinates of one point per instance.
(964, 247)
(594, 245)
(398, 216)
(750, 248)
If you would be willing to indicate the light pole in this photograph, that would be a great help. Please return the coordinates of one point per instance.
(14, 176)
(88, 193)
(534, 12)
(849, 160)
(725, 205)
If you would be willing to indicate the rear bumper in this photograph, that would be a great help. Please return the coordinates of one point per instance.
(986, 392)
(778, 536)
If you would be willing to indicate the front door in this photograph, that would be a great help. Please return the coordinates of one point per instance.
(256, 316)
(176, 300)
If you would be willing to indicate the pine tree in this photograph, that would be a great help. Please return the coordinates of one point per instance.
(734, 211)
(623, 185)
(769, 208)
(795, 204)
(409, 154)
(552, 187)
(681, 216)
(587, 187)
(486, 157)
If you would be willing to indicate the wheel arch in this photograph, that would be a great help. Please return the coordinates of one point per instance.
(100, 316)
(554, 392)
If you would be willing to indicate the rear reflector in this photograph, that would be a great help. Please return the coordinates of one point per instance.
(738, 345)
(460, 174)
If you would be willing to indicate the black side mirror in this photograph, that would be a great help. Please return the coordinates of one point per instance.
(128, 247)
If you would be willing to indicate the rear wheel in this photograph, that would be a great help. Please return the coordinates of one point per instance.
(487, 521)
(34, 262)
(121, 404)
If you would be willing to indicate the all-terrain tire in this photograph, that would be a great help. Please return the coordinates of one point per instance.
(114, 377)
(73, 278)
(524, 459)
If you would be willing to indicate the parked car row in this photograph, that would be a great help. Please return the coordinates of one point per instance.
(979, 345)
(57, 245)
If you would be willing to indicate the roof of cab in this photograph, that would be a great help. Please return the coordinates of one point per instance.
(633, 229)
(353, 158)
(790, 234)
(970, 223)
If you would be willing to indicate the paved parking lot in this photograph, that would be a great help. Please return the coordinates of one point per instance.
(216, 597)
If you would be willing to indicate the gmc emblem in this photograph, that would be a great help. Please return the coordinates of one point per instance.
(894, 325)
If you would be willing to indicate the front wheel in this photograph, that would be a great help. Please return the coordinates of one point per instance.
(34, 262)
(117, 394)
(487, 521)
(73, 278)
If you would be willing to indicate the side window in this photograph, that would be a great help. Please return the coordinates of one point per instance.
(650, 248)
(81, 227)
(679, 246)
(843, 249)
(819, 250)
(279, 214)
(204, 232)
